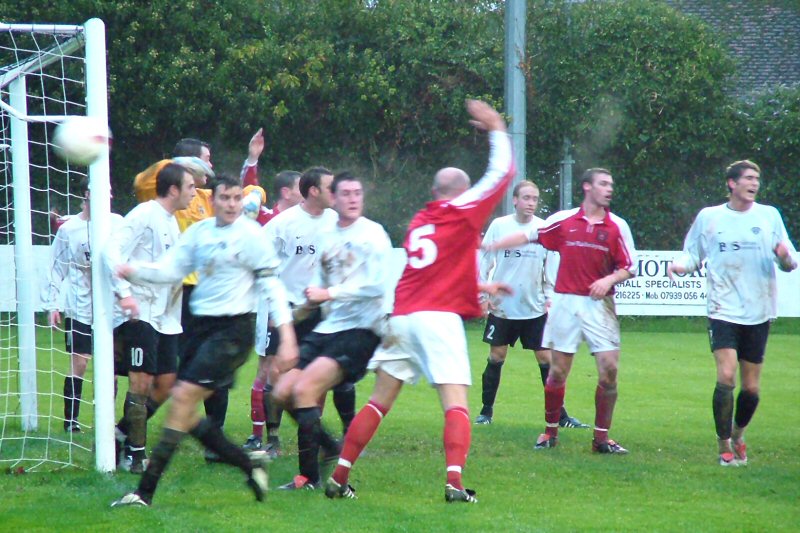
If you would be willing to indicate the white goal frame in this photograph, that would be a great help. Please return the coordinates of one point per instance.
(90, 36)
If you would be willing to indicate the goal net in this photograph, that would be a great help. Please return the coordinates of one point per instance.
(48, 73)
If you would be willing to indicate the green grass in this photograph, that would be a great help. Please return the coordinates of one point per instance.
(669, 482)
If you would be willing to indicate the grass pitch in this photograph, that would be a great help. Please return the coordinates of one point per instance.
(670, 481)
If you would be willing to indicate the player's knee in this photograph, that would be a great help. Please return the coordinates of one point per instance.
(608, 377)
(751, 388)
(140, 383)
(726, 376)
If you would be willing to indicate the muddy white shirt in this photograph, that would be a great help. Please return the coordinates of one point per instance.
(235, 267)
(354, 266)
(521, 267)
(147, 232)
(71, 269)
(738, 247)
(295, 236)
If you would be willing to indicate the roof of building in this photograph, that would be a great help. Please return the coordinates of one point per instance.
(764, 37)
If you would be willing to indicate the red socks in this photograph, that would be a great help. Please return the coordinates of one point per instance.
(257, 408)
(553, 402)
(361, 430)
(605, 398)
(457, 439)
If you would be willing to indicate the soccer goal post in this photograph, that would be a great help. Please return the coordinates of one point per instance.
(49, 73)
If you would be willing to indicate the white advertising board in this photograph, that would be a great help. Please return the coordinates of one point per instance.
(650, 293)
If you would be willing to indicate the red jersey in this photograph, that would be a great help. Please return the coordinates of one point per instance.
(442, 239)
(265, 214)
(589, 251)
(249, 174)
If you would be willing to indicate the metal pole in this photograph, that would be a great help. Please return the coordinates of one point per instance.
(565, 176)
(515, 89)
(100, 231)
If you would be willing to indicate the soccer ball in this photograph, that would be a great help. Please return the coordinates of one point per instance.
(81, 140)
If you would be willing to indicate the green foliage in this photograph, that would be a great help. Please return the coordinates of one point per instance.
(379, 87)
(641, 90)
(769, 134)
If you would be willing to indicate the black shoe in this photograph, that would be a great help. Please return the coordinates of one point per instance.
(452, 494)
(572, 422)
(608, 446)
(273, 446)
(135, 464)
(545, 441)
(253, 443)
(483, 420)
(72, 426)
(334, 490)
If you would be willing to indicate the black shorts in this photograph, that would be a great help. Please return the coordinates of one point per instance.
(215, 348)
(120, 368)
(146, 350)
(77, 337)
(750, 342)
(301, 331)
(506, 331)
(352, 349)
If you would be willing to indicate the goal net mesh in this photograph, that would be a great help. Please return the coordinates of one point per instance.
(42, 71)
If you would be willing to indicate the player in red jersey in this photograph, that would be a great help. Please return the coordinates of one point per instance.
(596, 249)
(438, 288)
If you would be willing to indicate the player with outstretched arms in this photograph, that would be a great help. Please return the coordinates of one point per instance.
(521, 316)
(741, 241)
(236, 268)
(438, 288)
(596, 252)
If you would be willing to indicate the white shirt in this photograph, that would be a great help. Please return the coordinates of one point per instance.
(147, 233)
(231, 261)
(522, 267)
(72, 261)
(354, 266)
(738, 247)
(295, 235)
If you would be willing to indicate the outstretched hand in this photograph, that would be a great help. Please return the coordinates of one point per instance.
(484, 116)
(256, 145)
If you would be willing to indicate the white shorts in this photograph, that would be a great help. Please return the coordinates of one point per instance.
(432, 343)
(573, 318)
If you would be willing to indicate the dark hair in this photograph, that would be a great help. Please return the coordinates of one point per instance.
(523, 183)
(284, 178)
(589, 174)
(345, 175)
(737, 168)
(225, 180)
(311, 178)
(171, 174)
(83, 186)
(190, 147)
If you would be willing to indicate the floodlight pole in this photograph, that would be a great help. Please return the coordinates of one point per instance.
(565, 176)
(515, 90)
